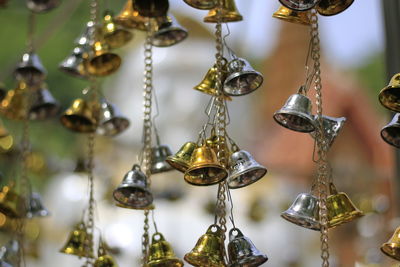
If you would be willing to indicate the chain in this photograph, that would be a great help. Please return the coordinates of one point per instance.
(94, 10)
(31, 31)
(145, 238)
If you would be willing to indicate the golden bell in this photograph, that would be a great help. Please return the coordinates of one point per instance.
(161, 253)
(152, 8)
(80, 117)
(209, 84)
(202, 4)
(114, 35)
(14, 103)
(390, 95)
(392, 247)
(76, 242)
(12, 204)
(43, 105)
(228, 13)
(333, 7)
(30, 69)
(129, 17)
(290, 15)
(41, 6)
(168, 32)
(205, 168)
(209, 250)
(75, 63)
(181, 160)
(103, 259)
(101, 62)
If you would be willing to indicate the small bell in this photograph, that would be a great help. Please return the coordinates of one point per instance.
(161, 253)
(103, 259)
(299, 5)
(390, 95)
(391, 132)
(332, 127)
(202, 4)
(76, 242)
(242, 78)
(134, 191)
(152, 8)
(41, 6)
(168, 32)
(304, 212)
(333, 7)
(75, 63)
(209, 84)
(244, 170)
(12, 204)
(14, 103)
(290, 15)
(242, 251)
(35, 207)
(129, 17)
(205, 168)
(81, 116)
(43, 105)
(181, 160)
(111, 121)
(209, 250)
(392, 247)
(30, 69)
(114, 35)
(101, 62)
(86, 38)
(159, 155)
(228, 13)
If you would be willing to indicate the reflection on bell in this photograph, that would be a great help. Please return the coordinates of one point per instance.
(299, 5)
(30, 69)
(391, 132)
(228, 13)
(35, 207)
(75, 63)
(209, 250)
(111, 121)
(76, 242)
(244, 170)
(290, 15)
(114, 35)
(332, 127)
(101, 62)
(12, 204)
(390, 95)
(134, 191)
(85, 39)
(181, 160)
(161, 253)
(149, 207)
(304, 212)
(296, 114)
(242, 78)
(209, 84)
(333, 7)
(159, 155)
(204, 168)
(242, 251)
(14, 103)
(202, 4)
(40, 6)
(43, 105)
(129, 17)
(81, 116)
(168, 32)
(103, 259)
(152, 8)
(392, 247)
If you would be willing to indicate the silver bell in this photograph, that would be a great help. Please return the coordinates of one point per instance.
(85, 39)
(35, 207)
(168, 32)
(30, 69)
(75, 63)
(43, 106)
(391, 132)
(41, 6)
(296, 114)
(111, 121)
(159, 155)
(244, 170)
(304, 212)
(242, 78)
(332, 127)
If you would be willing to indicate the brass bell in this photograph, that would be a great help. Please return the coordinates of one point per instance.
(134, 190)
(75, 63)
(228, 13)
(149, 207)
(290, 15)
(35, 207)
(161, 253)
(205, 168)
(41, 6)
(159, 155)
(209, 84)
(242, 251)
(181, 160)
(12, 204)
(242, 78)
(299, 5)
(333, 7)
(390, 95)
(14, 104)
(30, 69)
(391, 132)
(244, 170)
(129, 17)
(296, 114)
(76, 242)
(392, 247)
(111, 121)
(103, 259)
(81, 116)
(209, 250)
(101, 62)
(168, 32)
(114, 35)
(304, 212)
(331, 126)
(202, 4)
(43, 105)
(152, 8)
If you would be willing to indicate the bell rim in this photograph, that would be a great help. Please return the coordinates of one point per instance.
(257, 167)
(193, 258)
(284, 112)
(65, 121)
(177, 164)
(392, 246)
(382, 94)
(236, 75)
(73, 72)
(161, 32)
(201, 8)
(166, 167)
(262, 258)
(384, 129)
(110, 38)
(349, 217)
(312, 224)
(213, 181)
(212, 17)
(149, 198)
(99, 72)
(298, 20)
(122, 122)
(161, 262)
(328, 14)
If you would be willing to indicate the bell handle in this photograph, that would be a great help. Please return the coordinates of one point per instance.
(232, 235)
(302, 90)
(135, 167)
(157, 236)
(217, 230)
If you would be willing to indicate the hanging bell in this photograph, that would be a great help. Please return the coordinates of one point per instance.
(296, 114)
(242, 251)
(12, 204)
(103, 259)
(129, 17)
(43, 105)
(242, 78)
(290, 15)
(202, 4)
(332, 127)
(181, 160)
(228, 13)
(390, 95)
(204, 168)
(244, 170)
(209, 84)
(81, 116)
(14, 103)
(30, 69)
(86, 38)
(391, 132)
(392, 247)
(114, 35)
(333, 7)
(111, 121)
(161, 253)
(41, 6)
(35, 207)
(304, 212)
(168, 32)
(75, 63)
(299, 5)
(134, 191)
(101, 62)
(159, 155)
(152, 8)
(209, 250)
(76, 242)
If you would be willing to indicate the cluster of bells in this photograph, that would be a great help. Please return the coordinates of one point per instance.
(228, 10)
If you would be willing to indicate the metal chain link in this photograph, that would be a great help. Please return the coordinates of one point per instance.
(145, 238)
(94, 10)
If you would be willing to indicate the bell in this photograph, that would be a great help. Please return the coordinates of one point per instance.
(209, 250)
(390, 95)
(181, 160)
(41, 6)
(333, 7)
(134, 191)
(86, 38)
(149, 207)
(244, 170)
(202, 4)
(242, 78)
(101, 62)
(75, 63)
(76, 242)
(209, 84)
(30, 69)
(103, 259)
(290, 15)
(114, 35)
(391, 132)
(159, 155)
(204, 168)
(304, 212)
(299, 5)
(129, 17)
(332, 127)
(35, 207)
(14, 103)
(152, 8)
(43, 104)
(111, 121)
(392, 247)
(168, 32)
(161, 253)
(228, 13)
(296, 114)
(242, 251)
(12, 204)
(80, 117)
